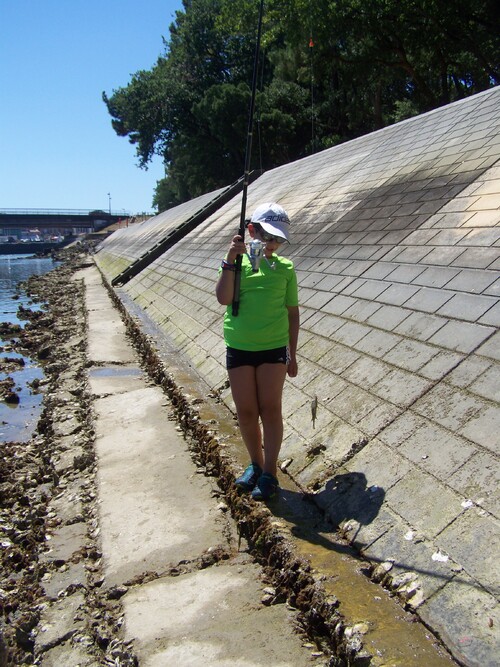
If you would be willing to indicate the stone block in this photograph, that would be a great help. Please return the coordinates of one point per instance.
(352, 286)
(361, 310)
(437, 276)
(428, 300)
(420, 326)
(461, 336)
(474, 541)
(405, 273)
(346, 497)
(65, 542)
(401, 429)
(479, 480)
(54, 582)
(326, 386)
(467, 619)
(377, 343)
(381, 465)
(484, 428)
(307, 372)
(68, 655)
(325, 325)
(379, 417)
(422, 237)
(315, 348)
(315, 299)
(370, 289)
(468, 370)
(478, 258)
(353, 404)
(424, 503)
(488, 384)
(469, 307)
(449, 237)
(350, 333)
(437, 451)
(449, 406)
(494, 288)
(404, 547)
(400, 388)
(338, 304)
(365, 371)
(58, 622)
(485, 237)
(397, 294)
(410, 355)
(491, 317)
(440, 365)
(388, 317)
(487, 201)
(491, 348)
(409, 255)
(444, 256)
(329, 283)
(339, 357)
(380, 270)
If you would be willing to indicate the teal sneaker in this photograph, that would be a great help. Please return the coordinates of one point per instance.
(266, 488)
(248, 480)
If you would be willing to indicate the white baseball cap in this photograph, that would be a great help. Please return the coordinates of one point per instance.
(273, 219)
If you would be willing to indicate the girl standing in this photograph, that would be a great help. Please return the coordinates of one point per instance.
(261, 343)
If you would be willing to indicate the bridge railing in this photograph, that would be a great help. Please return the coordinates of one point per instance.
(60, 211)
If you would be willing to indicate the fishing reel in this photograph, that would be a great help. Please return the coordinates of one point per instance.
(256, 248)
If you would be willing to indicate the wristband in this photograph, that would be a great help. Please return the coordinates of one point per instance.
(226, 266)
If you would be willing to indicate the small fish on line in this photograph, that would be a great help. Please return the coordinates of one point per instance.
(314, 410)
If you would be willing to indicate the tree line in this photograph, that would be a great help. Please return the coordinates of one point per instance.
(329, 71)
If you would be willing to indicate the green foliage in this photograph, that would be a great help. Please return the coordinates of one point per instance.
(370, 63)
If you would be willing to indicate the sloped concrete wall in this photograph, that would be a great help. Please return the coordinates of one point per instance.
(129, 244)
(397, 248)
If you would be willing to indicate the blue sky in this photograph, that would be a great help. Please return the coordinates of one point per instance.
(57, 146)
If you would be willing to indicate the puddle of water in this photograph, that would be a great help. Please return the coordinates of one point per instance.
(114, 371)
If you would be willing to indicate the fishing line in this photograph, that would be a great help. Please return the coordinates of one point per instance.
(246, 175)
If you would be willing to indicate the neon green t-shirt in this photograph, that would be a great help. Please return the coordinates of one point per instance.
(262, 320)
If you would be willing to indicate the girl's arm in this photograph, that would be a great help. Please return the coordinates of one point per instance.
(224, 290)
(293, 328)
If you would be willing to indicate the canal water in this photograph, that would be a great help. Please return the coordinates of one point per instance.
(17, 421)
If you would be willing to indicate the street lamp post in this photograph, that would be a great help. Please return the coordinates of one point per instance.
(109, 202)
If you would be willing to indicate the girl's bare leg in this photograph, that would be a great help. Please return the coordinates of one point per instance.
(270, 380)
(244, 390)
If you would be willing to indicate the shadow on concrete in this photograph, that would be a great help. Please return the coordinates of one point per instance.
(317, 518)
(347, 498)
(333, 518)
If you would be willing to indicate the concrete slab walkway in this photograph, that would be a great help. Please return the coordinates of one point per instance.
(161, 524)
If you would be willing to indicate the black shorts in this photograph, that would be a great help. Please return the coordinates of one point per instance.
(236, 358)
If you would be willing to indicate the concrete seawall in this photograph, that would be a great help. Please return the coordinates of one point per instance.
(397, 248)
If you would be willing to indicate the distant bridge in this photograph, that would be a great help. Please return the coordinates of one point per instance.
(19, 222)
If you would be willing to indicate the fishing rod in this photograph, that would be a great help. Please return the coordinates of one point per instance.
(248, 157)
